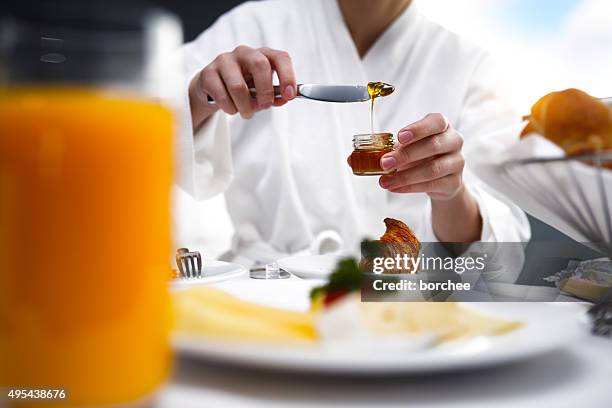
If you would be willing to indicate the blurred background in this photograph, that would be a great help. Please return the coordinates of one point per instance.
(539, 46)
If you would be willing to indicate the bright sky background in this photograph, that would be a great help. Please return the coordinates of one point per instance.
(539, 45)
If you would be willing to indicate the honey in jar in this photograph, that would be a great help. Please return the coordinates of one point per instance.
(368, 150)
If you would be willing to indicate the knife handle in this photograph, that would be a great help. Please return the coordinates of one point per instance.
(253, 92)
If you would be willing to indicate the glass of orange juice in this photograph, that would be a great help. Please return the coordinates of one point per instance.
(86, 166)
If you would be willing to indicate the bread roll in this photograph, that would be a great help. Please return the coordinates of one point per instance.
(572, 119)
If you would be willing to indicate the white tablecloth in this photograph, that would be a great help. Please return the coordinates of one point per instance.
(577, 376)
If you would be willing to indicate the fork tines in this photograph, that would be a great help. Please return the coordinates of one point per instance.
(189, 263)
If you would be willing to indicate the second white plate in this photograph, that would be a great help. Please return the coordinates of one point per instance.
(310, 266)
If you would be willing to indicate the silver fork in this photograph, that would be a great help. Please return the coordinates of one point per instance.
(189, 263)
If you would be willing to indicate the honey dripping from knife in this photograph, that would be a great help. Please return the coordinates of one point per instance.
(375, 90)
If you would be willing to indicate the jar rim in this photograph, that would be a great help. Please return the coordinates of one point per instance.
(373, 134)
(373, 141)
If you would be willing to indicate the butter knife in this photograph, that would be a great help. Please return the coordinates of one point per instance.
(324, 93)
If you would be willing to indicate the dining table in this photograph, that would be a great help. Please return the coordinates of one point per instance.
(579, 374)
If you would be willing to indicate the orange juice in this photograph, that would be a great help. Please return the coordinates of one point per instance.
(85, 181)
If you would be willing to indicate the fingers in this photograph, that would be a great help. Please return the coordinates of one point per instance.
(235, 84)
(281, 62)
(258, 66)
(431, 124)
(407, 155)
(227, 80)
(427, 171)
(210, 83)
(428, 159)
(446, 185)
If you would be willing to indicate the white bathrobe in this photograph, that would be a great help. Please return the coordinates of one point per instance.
(284, 172)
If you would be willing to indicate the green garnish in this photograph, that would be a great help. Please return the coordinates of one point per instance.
(346, 278)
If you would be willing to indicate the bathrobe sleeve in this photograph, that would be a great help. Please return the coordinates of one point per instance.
(488, 125)
(204, 156)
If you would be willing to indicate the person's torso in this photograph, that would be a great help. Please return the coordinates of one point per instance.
(292, 180)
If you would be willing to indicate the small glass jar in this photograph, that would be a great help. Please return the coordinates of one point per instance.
(368, 150)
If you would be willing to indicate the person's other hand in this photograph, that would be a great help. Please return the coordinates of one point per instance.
(228, 77)
(428, 160)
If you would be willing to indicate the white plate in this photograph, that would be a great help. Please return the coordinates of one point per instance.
(310, 266)
(212, 272)
(547, 327)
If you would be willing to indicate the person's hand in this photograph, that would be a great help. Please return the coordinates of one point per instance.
(228, 77)
(428, 160)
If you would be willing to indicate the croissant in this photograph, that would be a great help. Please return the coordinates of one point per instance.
(572, 119)
(398, 232)
(398, 239)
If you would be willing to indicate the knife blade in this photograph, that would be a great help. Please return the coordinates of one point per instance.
(334, 93)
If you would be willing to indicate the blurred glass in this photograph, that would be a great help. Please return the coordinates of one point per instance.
(86, 166)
